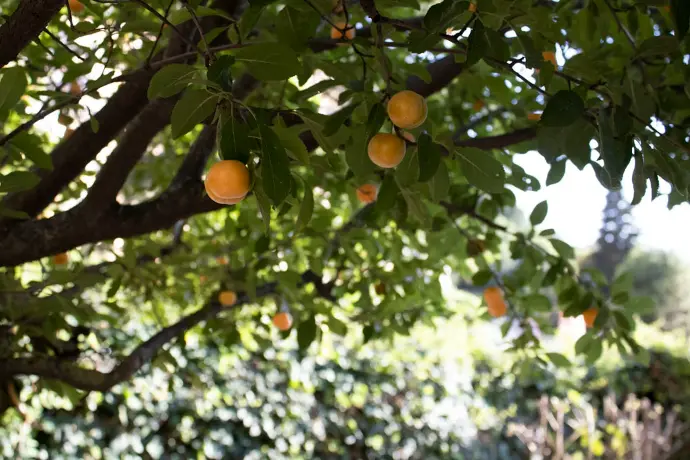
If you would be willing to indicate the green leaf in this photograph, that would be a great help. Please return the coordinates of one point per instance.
(640, 305)
(296, 27)
(336, 326)
(407, 172)
(639, 180)
(439, 185)
(269, 61)
(429, 157)
(315, 89)
(562, 248)
(264, 205)
(275, 167)
(388, 194)
(680, 11)
(171, 80)
(195, 106)
(539, 213)
(17, 181)
(482, 277)
(563, 109)
(337, 120)
(292, 142)
(615, 150)
(572, 141)
(6, 212)
(558, 360)
(481, 169)
(377, 116)
(441, 15)
(220, 72)
(417, 208)
(234, 142)
(477, 44)
(594, 351)
(306, 333)
(658, 46)
(584, 343)
(306, 209)
(356, 154)
(31, 146)
(537, 302)
(556, 172)
(12, 87)
(315, 123)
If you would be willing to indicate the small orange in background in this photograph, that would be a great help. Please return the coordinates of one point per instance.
(203, 279)
(550, 56)
(493, 296)
(342, 31)
(407, 109)
(282, 321)
(386, 150)
(590, 315)
(478, 105)
(76, 6)
(227, 182)
(534, 116)
(472, 8)
(227, 298)
(367, 193)
(222, 260)
(61, 259)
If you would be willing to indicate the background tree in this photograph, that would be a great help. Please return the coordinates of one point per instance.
(113, 254)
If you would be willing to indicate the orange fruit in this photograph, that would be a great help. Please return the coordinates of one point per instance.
(590, 315)
(76, 6)
(386, 150)
(367, 193)
(222, 260)
(227, 298)
(203, 279)
(407, 109)
(282, 321)
(61, 259)
(550, 56)
(338, 34)
(227, 182)
(478, 105)
(493, 296)
(534, 116)
(472, 8)
(409, 137)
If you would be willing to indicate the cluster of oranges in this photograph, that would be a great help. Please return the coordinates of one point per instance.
(281, 320)
(407, 110)
(497, 306)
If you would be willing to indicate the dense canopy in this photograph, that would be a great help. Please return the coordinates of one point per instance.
(112, 112)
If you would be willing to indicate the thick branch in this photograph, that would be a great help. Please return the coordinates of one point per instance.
(501, 141)
(193, 164)
(129, 150)
(25, 24)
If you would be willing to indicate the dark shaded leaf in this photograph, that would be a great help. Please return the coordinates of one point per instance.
(481, 169)
(195, 106)
(275, 167)
(429, 157)
(563, 109)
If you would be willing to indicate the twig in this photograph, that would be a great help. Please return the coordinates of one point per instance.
(324, 17)
(208, 57)
(69, 50)
(621, 27)
(160, 34)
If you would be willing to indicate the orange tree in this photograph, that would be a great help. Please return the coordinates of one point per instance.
(110, 241)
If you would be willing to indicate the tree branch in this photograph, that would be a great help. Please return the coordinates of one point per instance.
(94, 380)
(501, 141)
(25, 24)
(193, 164)
(129, 150)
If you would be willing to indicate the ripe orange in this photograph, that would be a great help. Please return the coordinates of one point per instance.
(61, 259)
(367, 193)
(493, 296)
(534, 116)
(227, 298)
(409, 137)
(590, 315)
(227, 182)
(478, 105)
(282, 321)
(386, 150)
(222, 260)
(338, 34)
(472, 8)
(407, 109)
(550, 56)
(76, 6)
